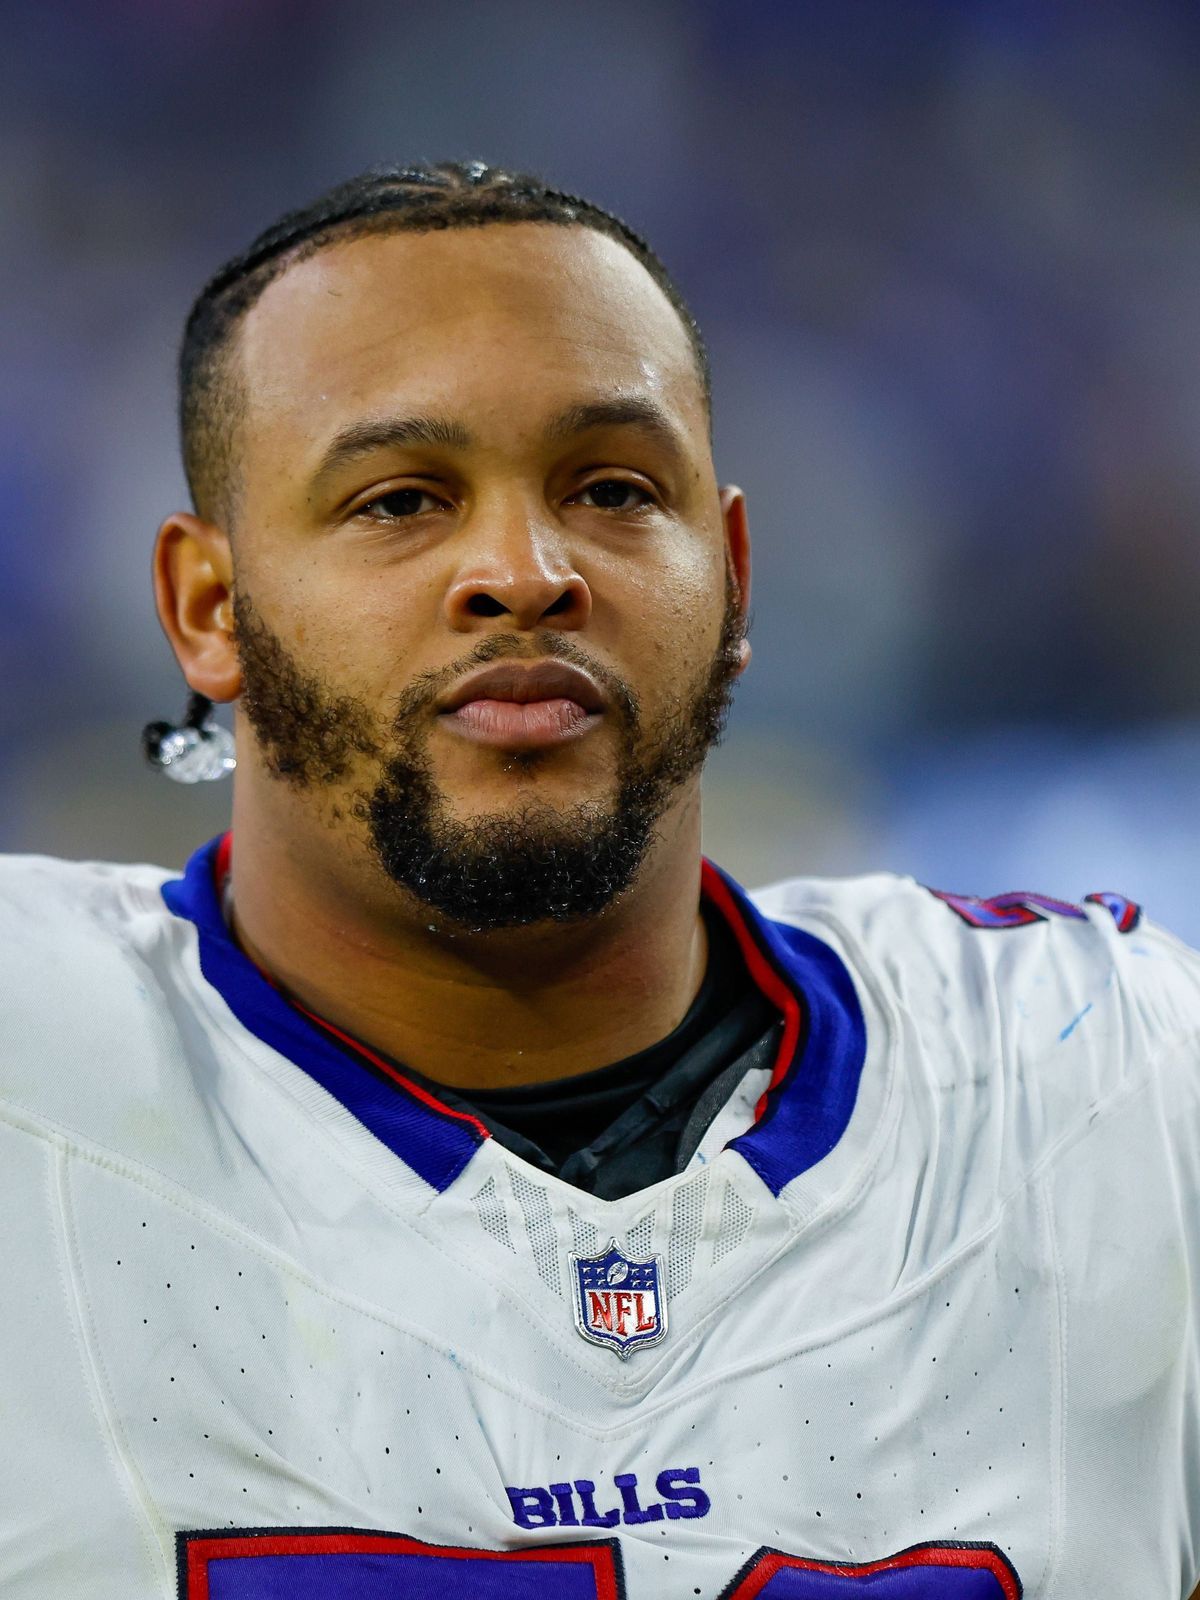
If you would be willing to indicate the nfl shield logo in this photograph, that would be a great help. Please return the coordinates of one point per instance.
(619, 1302)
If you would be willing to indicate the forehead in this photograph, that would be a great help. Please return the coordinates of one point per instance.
(505, 321)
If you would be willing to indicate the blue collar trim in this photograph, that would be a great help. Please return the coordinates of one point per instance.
(814, 1085)
(436, 1144)
(800, 1118)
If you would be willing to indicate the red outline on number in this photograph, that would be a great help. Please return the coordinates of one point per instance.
(1131, 913)
(1011, 910)
(203, 1549)
(980, 1558)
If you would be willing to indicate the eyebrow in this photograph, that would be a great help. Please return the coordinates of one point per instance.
(630, 411)
(362, 439)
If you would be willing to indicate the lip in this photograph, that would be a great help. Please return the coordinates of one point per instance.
(522, 682)
(523, 705)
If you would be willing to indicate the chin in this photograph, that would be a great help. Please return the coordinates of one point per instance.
(517, 780)
(537, 805)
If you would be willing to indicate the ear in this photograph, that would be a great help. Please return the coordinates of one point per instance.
(193, 590)
(737, 553)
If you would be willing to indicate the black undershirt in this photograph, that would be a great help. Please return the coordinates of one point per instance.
(626, 1126)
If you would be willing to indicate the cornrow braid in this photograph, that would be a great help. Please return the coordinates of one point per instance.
(386, 199)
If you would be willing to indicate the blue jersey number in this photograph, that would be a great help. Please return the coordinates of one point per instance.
(924, 1572)
(1019, 909)
(347, 1564)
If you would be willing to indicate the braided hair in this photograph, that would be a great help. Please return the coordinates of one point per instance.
(386, 199)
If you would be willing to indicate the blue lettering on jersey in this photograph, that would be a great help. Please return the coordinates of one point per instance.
(1020, 909)
(572, 1504)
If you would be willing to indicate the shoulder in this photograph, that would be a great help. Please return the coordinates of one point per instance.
(1069, 1002)
(84, 947)
(48, 906)
(924, 941)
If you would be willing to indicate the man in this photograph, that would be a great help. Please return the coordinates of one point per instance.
(452, 1185)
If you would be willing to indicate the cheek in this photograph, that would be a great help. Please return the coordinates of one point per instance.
(354, 627)
(680, 606)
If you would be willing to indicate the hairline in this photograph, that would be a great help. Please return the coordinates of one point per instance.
(231, 399)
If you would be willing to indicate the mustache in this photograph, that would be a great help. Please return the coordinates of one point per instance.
(420, 695)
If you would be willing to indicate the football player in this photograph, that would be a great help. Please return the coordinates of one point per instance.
(452, 1184)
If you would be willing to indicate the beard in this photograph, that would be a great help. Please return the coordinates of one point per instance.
(535, 863)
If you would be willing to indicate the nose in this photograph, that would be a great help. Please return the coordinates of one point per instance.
(521, 572)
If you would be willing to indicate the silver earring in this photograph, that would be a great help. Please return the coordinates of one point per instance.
(197, 750)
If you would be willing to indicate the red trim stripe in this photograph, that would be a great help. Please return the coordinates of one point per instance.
(777, 991)
(415, 1089)
(221, 867)
(976, 1560)
(714, 887)
(201, 1551)
(223, 861)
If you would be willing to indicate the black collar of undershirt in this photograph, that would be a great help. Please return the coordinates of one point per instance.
(630, 1124)
(619, 1083)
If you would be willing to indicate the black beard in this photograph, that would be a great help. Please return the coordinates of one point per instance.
(538, 864)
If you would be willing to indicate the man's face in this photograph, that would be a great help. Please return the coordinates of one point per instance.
(482, 596)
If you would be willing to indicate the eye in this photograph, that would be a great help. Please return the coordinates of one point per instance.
(615, 494)
(398, 504)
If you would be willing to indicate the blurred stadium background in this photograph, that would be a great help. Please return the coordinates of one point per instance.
(947, 257)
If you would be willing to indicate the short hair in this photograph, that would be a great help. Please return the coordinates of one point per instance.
(388, 199)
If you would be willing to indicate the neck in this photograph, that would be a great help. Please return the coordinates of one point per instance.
(473, 1011)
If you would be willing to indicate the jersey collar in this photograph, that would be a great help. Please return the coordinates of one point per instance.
(800, 1117)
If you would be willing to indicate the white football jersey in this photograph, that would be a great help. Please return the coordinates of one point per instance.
(919, 1320)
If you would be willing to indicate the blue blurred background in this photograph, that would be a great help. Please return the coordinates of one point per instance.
(947, 256)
